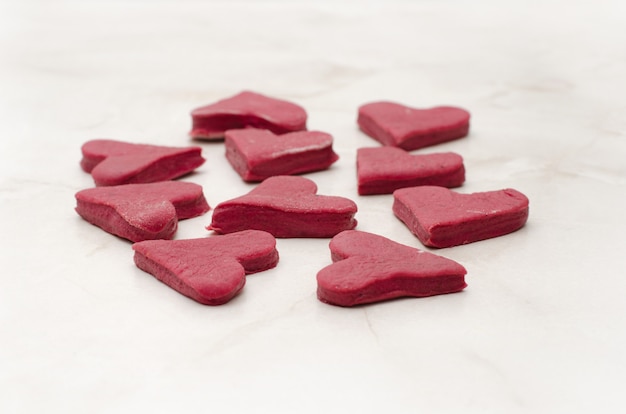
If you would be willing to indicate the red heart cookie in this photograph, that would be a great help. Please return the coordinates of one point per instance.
(208, 270)
(257, 154)
(286, 206)
(370, 268)
(385, 169)
(443, 218)
(114, 162)
(246, 109)
(397, 125)
(141, 211)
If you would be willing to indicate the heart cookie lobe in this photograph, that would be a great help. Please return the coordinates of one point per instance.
(112, 162)
(208, 270)
(440, 217)
(257, 154)
(141, 211)
(397, 125)
(383, 170)
(370, 268)
(286, 206)
(244, 110)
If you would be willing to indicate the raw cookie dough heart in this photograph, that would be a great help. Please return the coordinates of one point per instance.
(385, 169)
(370, 268)
(257, 154)
(246, 109)
(440, 217)
(286, 206)
(113, 162)
(398, 125)
(141, 211)
(208, 270)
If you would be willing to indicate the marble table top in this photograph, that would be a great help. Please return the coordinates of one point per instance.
(540, 327)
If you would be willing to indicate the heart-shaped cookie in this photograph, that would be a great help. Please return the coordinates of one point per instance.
(286, 206)
(208, 270)
(257, 154)
(440, 217)
(141, 211)
(370, 268)
(246, 109)
(385, 169)
(113, 162)
(398, 125)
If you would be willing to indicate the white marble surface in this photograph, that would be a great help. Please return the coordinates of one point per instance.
(540, 327)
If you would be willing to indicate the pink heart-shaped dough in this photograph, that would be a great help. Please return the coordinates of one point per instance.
(286, 206)
(440, 217)
(398, 125)
(385, 169)
(141, 211)
(257, 154)
(370, 268)
(246, 109)
(113, 162)
(208, 270)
